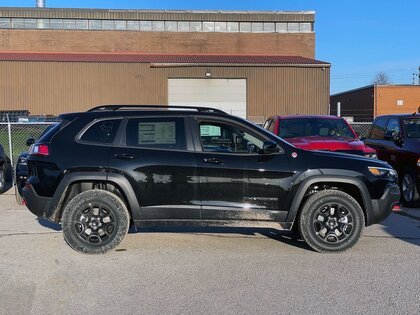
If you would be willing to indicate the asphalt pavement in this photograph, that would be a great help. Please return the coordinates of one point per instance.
(207, 271)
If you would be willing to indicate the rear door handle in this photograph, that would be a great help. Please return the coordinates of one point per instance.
(213, 161)
(124, 156)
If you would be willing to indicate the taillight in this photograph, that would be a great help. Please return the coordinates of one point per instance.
(39, 149)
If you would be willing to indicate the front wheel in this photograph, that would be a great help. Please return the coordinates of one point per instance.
(95, 222)
(331, 221)
(408, 188)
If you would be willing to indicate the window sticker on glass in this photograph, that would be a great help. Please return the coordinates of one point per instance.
(157, 133)
(210, 131)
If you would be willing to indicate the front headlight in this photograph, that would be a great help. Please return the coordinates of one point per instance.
(371, 155)
(418, 162)
(382, 171)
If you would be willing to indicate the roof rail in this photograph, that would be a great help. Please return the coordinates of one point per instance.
(117, 107)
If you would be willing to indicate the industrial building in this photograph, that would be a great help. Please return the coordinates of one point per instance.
(365, 103)
(250, 64)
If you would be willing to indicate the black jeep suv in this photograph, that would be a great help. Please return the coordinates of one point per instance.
(97, 171)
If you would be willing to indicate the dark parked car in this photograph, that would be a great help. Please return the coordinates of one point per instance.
(3, 170)
(97, 171)
(327, 133)
(21, 170)
(396, 139)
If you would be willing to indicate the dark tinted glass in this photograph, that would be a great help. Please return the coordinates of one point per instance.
(102, 132)
(318, 127)
(412, 127)
(159, 133)
(50, 132)
(393, 127)
(378, 129)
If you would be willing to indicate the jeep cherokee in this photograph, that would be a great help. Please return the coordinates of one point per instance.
(98, 171)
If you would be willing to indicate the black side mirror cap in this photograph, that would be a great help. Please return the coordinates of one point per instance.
(30, 142)
(270, 146)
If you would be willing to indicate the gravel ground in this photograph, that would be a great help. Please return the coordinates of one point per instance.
(207, 270)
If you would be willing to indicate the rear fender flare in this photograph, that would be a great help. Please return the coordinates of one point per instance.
(118, 180)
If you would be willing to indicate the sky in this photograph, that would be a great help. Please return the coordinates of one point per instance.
(358, 37)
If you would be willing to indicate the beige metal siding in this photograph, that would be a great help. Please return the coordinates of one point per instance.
(57, 87)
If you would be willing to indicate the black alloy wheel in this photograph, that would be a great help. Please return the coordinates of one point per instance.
(95, 222)
(331, 221)
(409, 192)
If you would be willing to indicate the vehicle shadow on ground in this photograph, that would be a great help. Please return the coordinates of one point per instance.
(285, 237)
(404, 225)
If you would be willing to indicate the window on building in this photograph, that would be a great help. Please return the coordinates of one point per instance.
(120, 25)
(133, 25)
(171, 26)
(208, 26)
(293, 27)
(5, 23)
(220, 26)
(158, 26)
(196, 27)
(183, 26)
(95, 24)
(145, 25)
(305, 27)
(232, 26)
(81, 24)
(69, 24)
(269, 27)
(400, 102)
(43, 23)
(108, 24)
(281, 27)
(245, 26)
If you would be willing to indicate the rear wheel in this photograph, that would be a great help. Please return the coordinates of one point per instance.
(331, 221)
(409, 192)
(95, 222)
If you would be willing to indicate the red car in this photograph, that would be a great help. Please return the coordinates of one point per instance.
(327, 133)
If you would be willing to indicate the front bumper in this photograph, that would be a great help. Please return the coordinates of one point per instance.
(382, 208)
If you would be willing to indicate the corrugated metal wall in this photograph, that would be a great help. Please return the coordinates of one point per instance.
(57, 87)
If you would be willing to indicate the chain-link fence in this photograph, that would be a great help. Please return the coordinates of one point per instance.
(13, 137)
(361, 128)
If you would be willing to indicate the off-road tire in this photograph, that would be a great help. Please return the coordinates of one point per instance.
(409, 178)
(90, 212)
(347, 218)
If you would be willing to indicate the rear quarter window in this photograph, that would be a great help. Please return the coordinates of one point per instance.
(378, 128)
(101, 132)
(50, 132)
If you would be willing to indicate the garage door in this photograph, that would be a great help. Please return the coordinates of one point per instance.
(228, 95)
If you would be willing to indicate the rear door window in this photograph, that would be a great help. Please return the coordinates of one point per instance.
(157, 133)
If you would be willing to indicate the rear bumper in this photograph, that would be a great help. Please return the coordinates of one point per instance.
(38, 205)
(382, 208)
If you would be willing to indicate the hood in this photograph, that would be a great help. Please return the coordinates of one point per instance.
(329, 143)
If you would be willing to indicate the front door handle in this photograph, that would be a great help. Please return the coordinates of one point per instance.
(124, 156)
(213, 161)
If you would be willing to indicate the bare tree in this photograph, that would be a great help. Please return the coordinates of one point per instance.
(381, 79)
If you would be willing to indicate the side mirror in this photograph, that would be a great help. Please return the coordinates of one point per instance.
(30, 142)
(269, 146)
(398, 139)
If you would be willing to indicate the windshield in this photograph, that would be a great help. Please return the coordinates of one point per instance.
(412, 127)
(320, 127)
